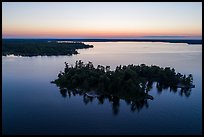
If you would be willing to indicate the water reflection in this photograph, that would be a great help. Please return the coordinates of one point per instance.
(136, 104)
(182, 91)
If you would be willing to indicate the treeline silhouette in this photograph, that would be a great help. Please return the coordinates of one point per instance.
(131, 81)
(40, 47)
(163, 39)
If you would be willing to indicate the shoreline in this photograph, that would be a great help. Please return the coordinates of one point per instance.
(188, 41)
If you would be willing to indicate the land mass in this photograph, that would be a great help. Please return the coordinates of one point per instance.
(50, 47)
(22, 47)
(131, 82)
(188, 41)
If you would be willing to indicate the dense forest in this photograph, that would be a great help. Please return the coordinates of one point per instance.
(131, 82)
(40, 47)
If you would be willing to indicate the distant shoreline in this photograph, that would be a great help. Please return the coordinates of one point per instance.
(188, 41)
(40, 47)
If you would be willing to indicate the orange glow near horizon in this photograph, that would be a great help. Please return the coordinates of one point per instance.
(95, 33)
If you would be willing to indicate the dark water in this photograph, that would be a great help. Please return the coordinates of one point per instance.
(31, 105)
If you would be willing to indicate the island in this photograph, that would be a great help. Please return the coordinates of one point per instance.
(129, 82)
(37, 47)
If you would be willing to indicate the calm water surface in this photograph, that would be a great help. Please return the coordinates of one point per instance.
(31, 105)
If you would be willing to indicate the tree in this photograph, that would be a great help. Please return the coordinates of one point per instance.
(132, 81)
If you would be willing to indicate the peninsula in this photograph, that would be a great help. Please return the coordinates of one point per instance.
(35, 47)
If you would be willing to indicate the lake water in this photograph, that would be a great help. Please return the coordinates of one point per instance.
(32, 105)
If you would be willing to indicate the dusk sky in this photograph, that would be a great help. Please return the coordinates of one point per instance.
(100, 19)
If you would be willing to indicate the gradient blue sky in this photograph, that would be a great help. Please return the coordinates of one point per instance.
(100, 19)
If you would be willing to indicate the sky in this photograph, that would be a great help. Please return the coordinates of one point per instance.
(101, 19)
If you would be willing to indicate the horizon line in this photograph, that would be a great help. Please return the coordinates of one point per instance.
(145, 37)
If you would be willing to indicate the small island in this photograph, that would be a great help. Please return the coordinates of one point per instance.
(131, 82)
(23, 47)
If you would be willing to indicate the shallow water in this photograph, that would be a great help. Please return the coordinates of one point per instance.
(32, 105)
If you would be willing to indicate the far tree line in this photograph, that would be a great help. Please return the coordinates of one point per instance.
(40, 47)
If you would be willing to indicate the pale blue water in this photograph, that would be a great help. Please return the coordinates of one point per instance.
(32, 105)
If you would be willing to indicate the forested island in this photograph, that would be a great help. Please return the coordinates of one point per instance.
(22, 47)
(131, 82)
